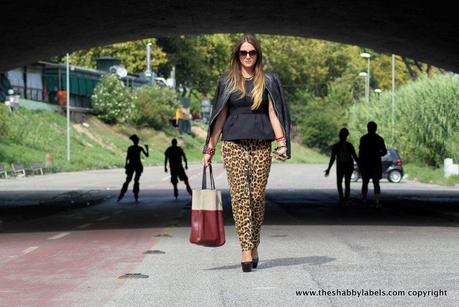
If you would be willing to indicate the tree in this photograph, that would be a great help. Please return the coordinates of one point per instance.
(131, 54)
(416, 68)
(320, 118)
(4, 122)
(154, 106)
(198, 60)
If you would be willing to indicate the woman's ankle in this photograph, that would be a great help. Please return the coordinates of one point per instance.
(246, 256)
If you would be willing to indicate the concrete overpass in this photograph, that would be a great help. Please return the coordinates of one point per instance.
(422, 31)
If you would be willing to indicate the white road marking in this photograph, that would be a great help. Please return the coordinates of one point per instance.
(58, 236)
(264, 288)
(29, 250)
(165, 178)
(84, 226)
(103, 218)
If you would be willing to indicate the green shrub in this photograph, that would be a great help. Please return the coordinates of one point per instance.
(154, 106)
(4, 122)
(426, 116)
(320, 118)
(112, 101)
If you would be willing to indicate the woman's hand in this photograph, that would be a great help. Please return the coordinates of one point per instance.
(206, 160)
(281, 153)
(209, 153)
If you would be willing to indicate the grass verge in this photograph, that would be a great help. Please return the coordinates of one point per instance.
(95, 145)
(429, 175)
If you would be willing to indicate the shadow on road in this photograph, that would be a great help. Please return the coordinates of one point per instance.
(282, 262)
(158, 208)
(399, 208)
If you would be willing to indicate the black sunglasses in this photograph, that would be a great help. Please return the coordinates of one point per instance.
(251, 53)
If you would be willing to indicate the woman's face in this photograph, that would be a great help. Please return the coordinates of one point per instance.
(248, 55)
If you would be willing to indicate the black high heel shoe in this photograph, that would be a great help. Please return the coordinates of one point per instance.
(246, 266)
(254, 263)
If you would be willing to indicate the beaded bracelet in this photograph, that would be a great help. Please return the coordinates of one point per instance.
(210, 151)
(279, 138)
(281, 142)
(206, 149)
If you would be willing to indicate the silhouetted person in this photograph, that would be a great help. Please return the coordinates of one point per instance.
(174, 154)
(133, 164)
(344, 153)
(371, 149)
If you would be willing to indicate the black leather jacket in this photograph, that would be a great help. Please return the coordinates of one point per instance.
(275, 91)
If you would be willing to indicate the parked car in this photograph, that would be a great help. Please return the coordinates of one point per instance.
(391, 165)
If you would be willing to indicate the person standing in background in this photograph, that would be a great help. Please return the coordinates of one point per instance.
(175, 154)
(371, 149)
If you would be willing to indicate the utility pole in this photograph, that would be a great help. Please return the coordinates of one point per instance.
(68, 108)
(393, 99)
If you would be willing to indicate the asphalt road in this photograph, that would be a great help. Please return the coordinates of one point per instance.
(64, 240)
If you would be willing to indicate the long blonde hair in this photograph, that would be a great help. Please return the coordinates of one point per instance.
(236, 80)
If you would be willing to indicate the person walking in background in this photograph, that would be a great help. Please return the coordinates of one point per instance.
(174, 154)
(344, 153)
(133, 165)
(250, 111)
(371, 149)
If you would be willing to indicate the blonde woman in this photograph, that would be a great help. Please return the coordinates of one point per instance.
(250, 112)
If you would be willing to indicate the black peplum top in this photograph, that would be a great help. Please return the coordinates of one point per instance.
(244, 123)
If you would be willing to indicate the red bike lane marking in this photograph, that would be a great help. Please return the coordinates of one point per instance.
(81, 268)
(12, 245)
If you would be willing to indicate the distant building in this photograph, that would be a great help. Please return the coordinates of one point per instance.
(45, 82)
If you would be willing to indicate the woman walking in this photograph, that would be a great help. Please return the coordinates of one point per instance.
(250, 112)
(345, 155)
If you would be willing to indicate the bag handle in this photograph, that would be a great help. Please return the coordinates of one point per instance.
(204, 179)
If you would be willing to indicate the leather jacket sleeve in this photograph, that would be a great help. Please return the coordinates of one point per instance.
(282, 109)
(217, 104)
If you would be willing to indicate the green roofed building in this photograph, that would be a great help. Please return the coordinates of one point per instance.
(42, 81)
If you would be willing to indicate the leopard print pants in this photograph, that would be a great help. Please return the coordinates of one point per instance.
(247, 164)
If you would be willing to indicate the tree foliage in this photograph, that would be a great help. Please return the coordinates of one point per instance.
(426, 118)
(154, 106)
(198, 60)
(416, 69)
(320, 118)
(131, 54)
(4, 121)
(320, 78)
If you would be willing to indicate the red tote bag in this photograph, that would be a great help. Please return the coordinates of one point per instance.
(207, 227)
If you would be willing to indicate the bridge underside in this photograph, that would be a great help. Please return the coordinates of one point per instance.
(426, 32)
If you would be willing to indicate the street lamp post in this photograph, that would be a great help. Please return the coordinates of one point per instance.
(364, 75)
(148, 73)
(367, 87)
